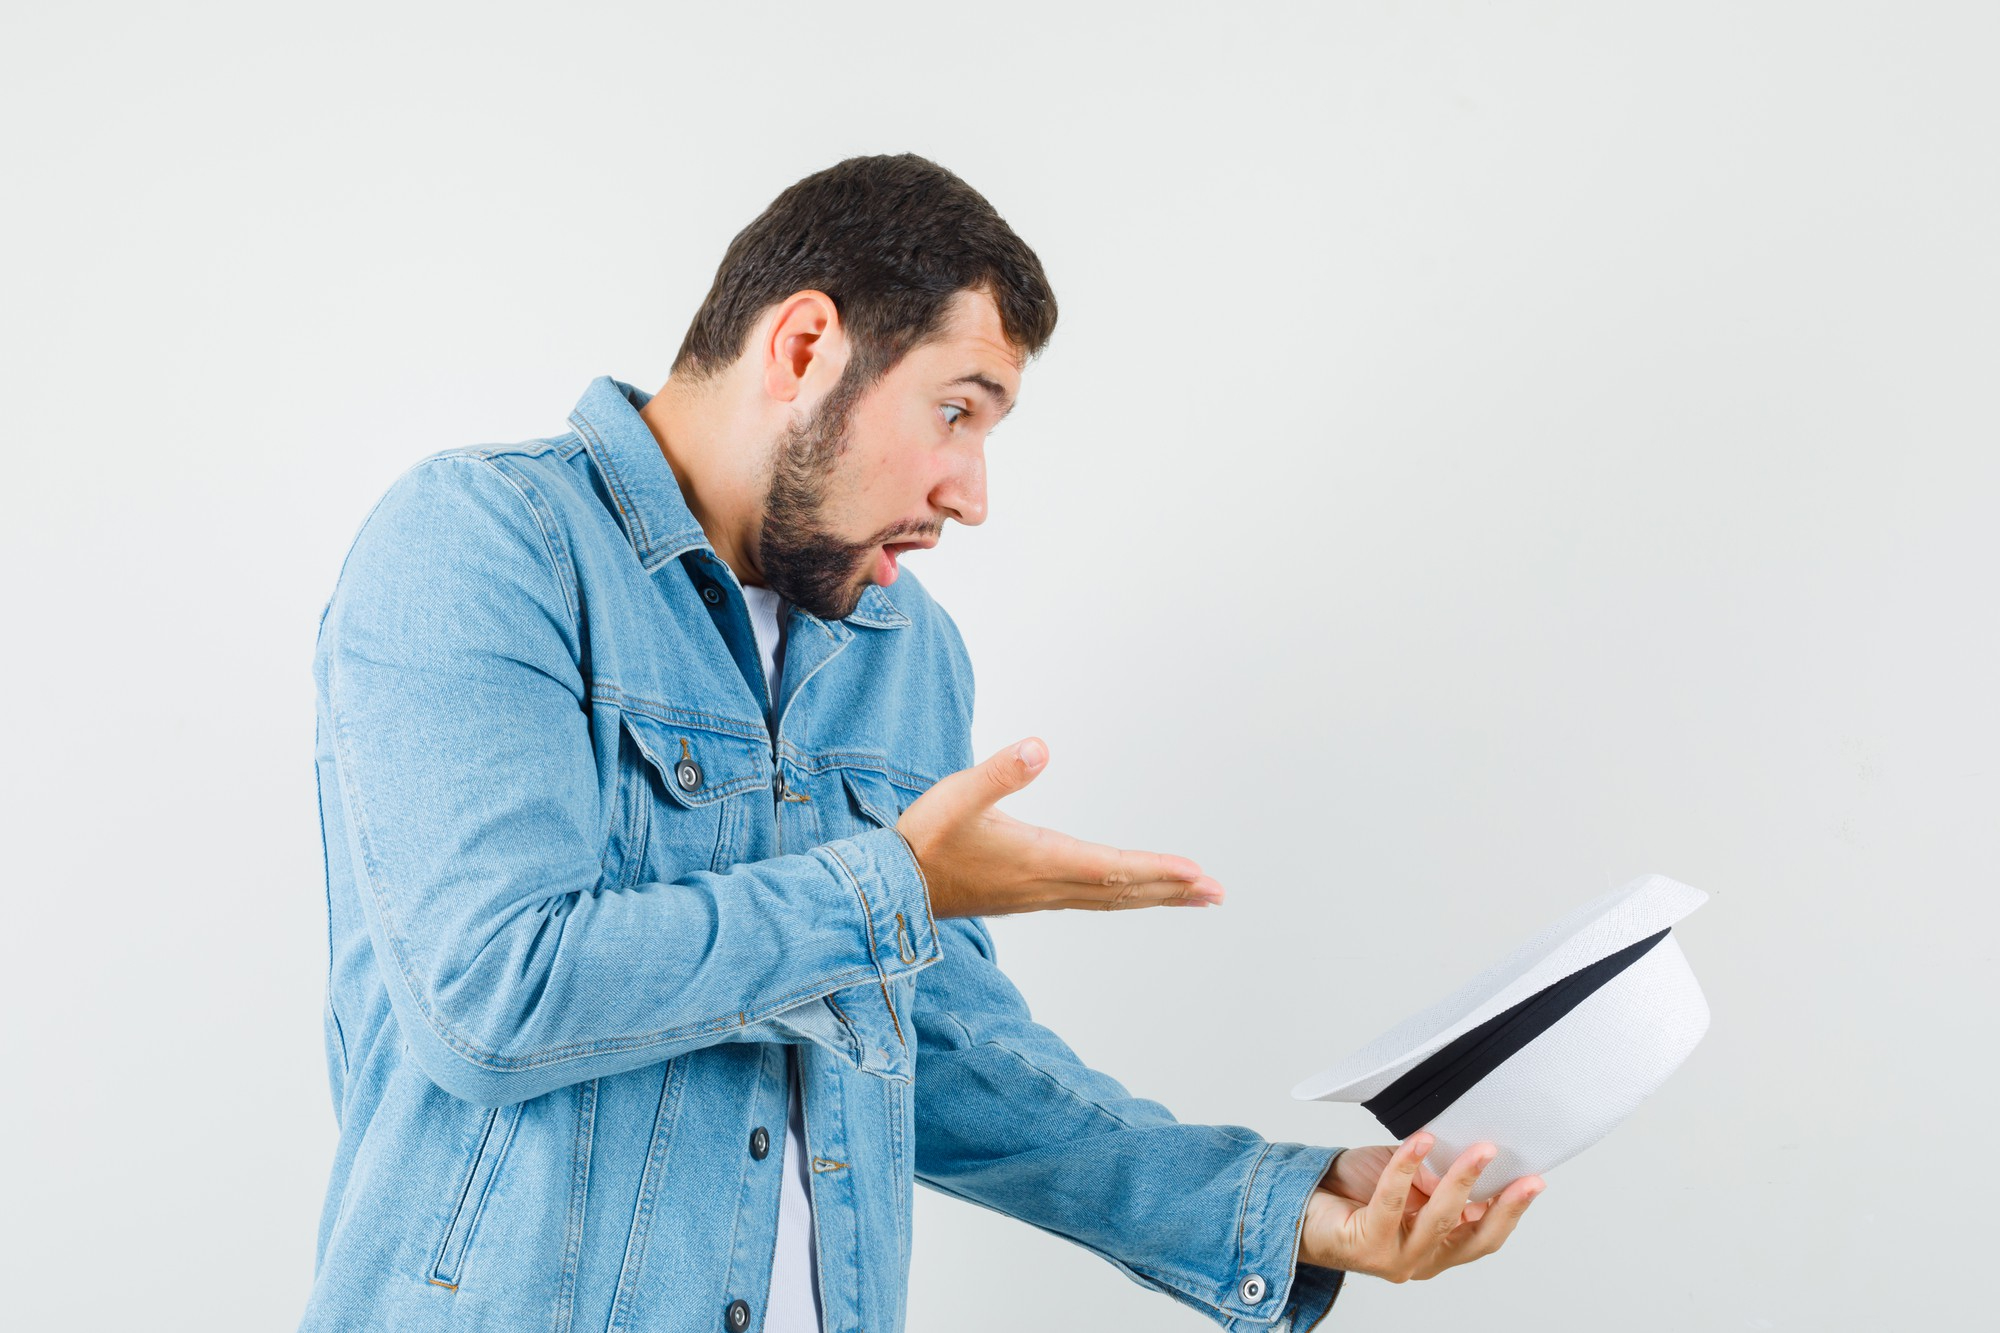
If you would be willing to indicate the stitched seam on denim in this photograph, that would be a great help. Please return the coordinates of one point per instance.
(673, 715)
(458, 1209)
(579, 1202)
(462, 1223)
(819, 1251)
(795, 698)
(1243, 1211)
(742, 1174)
(725, 836)
(890, 617)
(602, 457)
(850, 760)
(1339, 1284)
(868, 808)
(1291, 1279)
(536, 448)
(898, 1182)
(326, 872)
(513, 1116)
(657, 1152)
(784, 1060)
(548, 543)
(1004, 1044)
(559, 566)
(718, 792)
(1170, 1282)
(868, 918)
(905, 937)
(930, 920)
(852, 1032)
(641, 835)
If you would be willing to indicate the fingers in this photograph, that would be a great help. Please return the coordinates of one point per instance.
(1444, 1211)
(1392, 1190)
(1201, 892)
(1198, 892)
(1113, 877)
(1065, 872)
(1498, 1217)
(1447, 1231)
(1459, 1232)
(1007, 772)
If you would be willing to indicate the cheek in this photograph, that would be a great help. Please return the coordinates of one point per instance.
(893, 479)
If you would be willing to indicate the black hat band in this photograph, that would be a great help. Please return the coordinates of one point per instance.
(1425, 1092)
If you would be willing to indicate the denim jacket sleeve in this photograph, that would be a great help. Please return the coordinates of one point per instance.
(448, 670)
(1007, 1116)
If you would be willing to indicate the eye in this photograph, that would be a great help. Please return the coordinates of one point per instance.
(963, 413)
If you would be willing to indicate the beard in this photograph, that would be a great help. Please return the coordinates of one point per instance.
(803, 560)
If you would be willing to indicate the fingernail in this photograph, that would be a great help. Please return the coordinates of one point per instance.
(1029, 753)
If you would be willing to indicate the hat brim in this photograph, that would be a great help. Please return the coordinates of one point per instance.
(1600, 927)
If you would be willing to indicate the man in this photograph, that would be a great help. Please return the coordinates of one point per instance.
(657, 852)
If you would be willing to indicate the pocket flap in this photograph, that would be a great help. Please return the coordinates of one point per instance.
(878, 800)
(700, 764)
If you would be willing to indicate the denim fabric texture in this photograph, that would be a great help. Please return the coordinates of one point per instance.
(588, 916)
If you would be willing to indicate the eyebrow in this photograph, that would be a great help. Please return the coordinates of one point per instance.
(999, 394)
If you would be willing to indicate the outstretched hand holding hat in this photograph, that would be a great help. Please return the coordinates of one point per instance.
(1380, 1210)
(1536, 1059)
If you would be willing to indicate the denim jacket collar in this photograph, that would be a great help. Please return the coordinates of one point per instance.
(651, 508)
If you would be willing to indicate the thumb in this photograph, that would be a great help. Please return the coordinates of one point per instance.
(1010, 770)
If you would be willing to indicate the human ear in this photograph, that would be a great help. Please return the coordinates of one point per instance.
(804, 347)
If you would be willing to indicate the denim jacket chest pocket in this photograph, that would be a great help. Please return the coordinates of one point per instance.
(873, 801)
(677, 776)
(876, 802)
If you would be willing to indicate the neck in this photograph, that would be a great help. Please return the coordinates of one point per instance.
(716, 457)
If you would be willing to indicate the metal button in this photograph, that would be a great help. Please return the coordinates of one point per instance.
(1252, 1289)
(711, 594)
(760, 1143)
(737, 1317)
(688, 773)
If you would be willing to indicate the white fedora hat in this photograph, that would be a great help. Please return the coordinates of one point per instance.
(1545, 1052)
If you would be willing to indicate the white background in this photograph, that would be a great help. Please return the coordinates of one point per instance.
(1489, 451)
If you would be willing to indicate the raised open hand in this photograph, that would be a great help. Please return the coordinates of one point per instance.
(980, 861)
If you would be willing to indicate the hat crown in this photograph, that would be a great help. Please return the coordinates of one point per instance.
(1597, 930)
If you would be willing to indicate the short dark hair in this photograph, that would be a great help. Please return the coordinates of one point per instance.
(892, 240)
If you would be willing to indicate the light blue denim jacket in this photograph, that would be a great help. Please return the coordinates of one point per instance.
(589, 914)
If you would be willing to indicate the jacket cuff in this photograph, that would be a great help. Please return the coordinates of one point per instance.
(893, 908)
(1291, 1296)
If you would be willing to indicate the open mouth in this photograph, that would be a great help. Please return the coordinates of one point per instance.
(885, 563)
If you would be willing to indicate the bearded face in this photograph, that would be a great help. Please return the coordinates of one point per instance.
(802, 558)
(868, 476)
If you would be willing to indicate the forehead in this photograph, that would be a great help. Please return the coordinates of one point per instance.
(970, 341)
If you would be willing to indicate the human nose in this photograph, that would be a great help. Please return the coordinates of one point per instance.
(962, 493)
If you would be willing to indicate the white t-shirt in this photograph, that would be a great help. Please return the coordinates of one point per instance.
(794, 1299)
